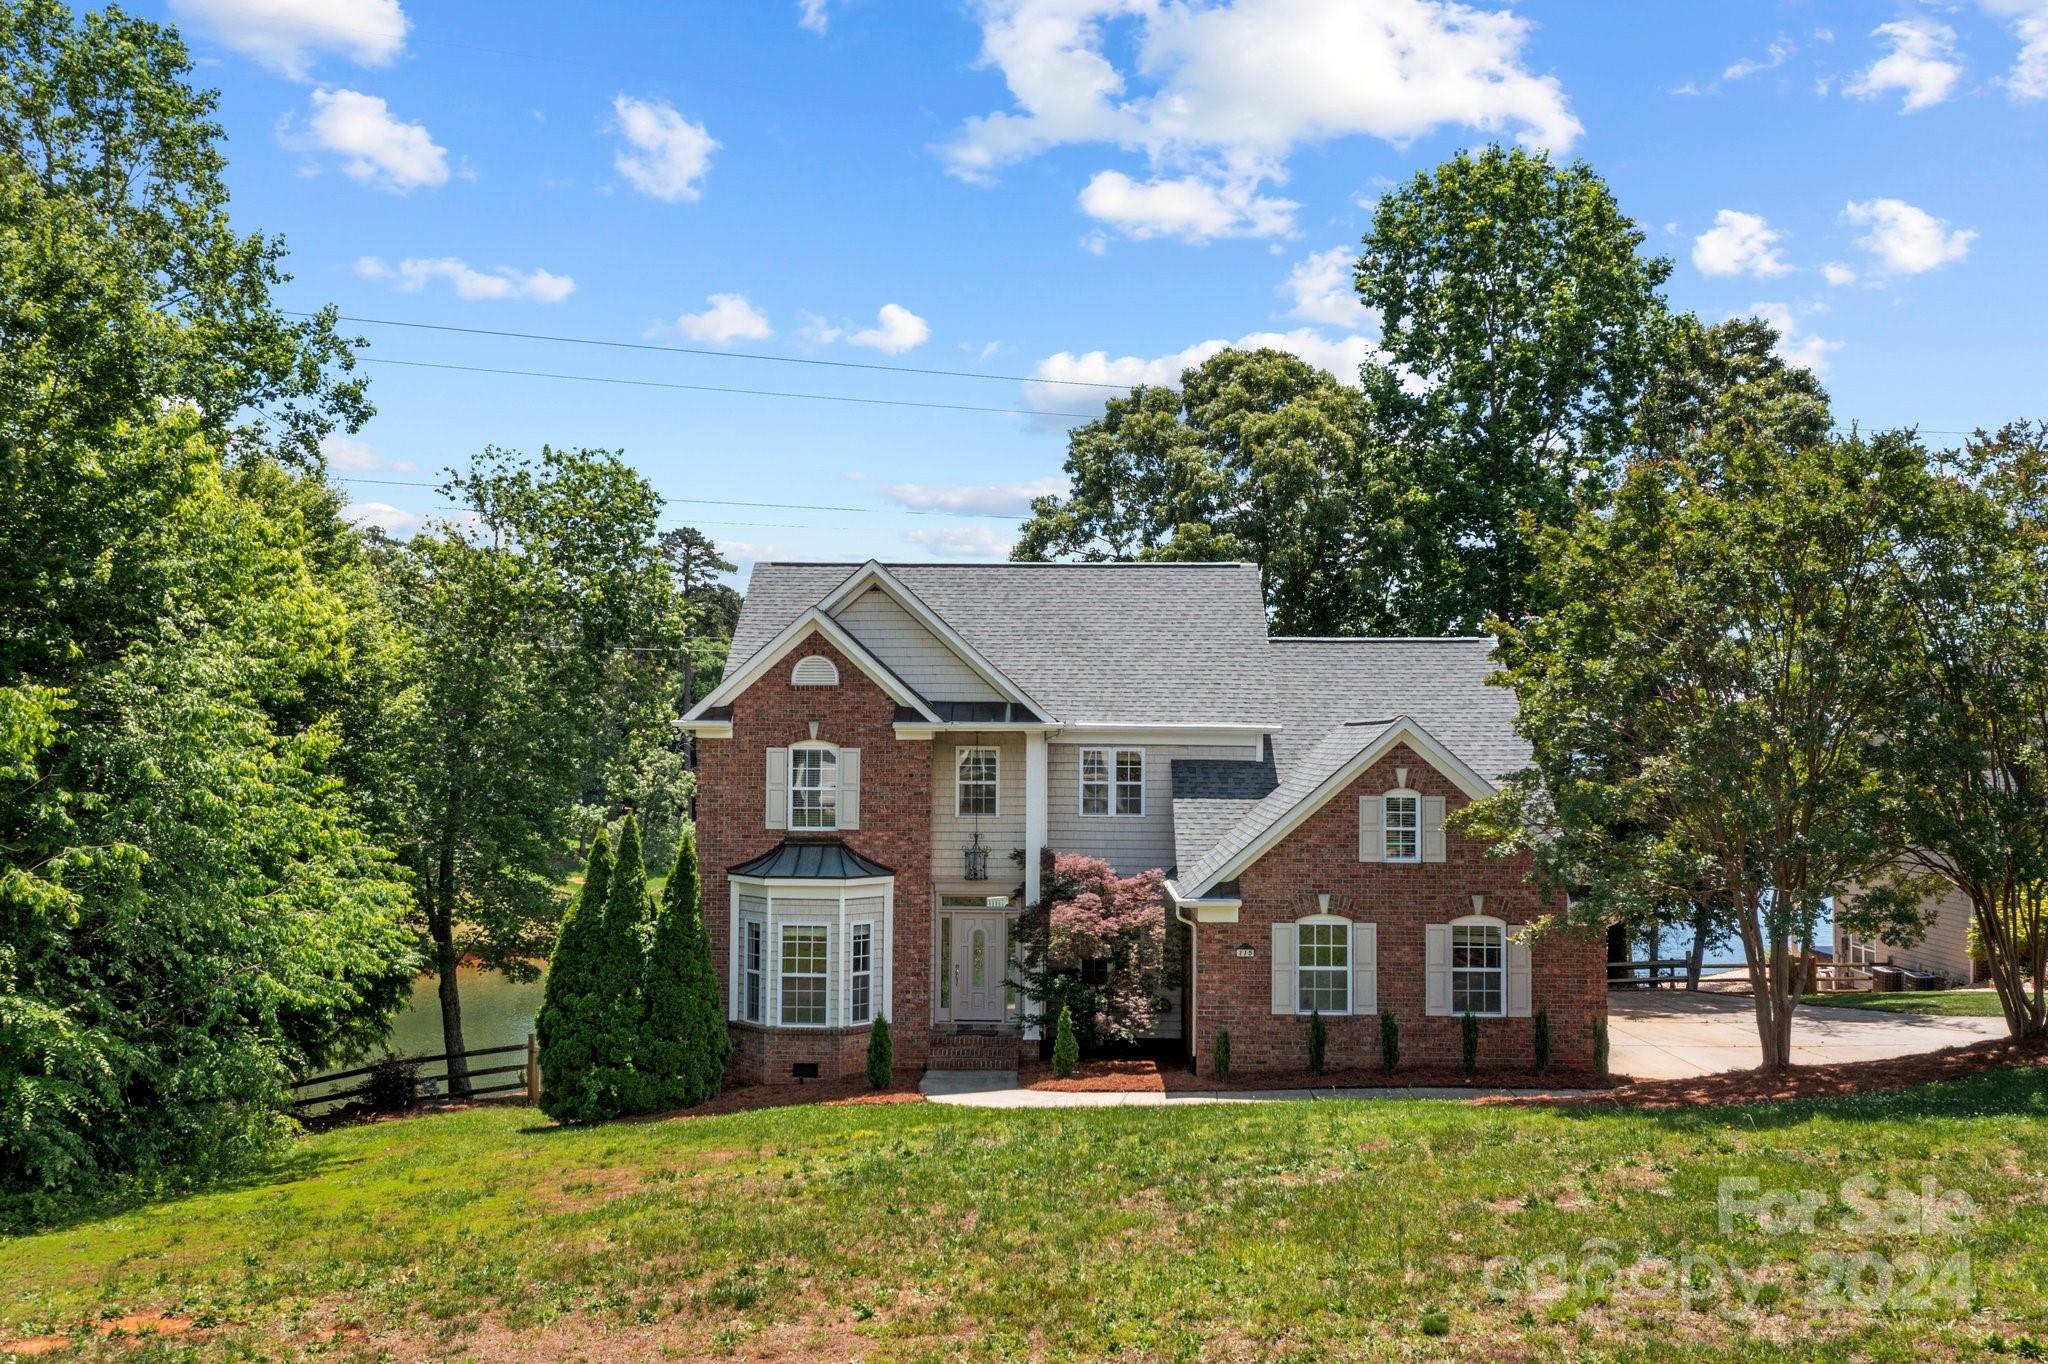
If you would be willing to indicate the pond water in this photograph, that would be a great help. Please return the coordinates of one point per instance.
(496, 1012)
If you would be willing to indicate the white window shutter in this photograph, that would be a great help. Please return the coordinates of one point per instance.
(849, 788)
(1365, 968)
(777, 804)
(1436, 970)
(1283, 968)
(1432, 828)
(1372, 844)
(1518, 976)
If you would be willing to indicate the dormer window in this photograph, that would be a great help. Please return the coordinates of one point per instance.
(813, 787)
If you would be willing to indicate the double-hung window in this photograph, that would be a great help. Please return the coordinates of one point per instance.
(813, 788)
(750, 1004)
(1479, 969)
(860, 989)
(974, 785)
(1112, 781)
(1403, 826)
(804, 975)
(1322, 968)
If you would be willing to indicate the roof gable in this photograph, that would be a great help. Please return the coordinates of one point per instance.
(793, 636)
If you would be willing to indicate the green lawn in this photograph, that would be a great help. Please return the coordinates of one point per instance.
(1300, 1230)
(1949, 1003)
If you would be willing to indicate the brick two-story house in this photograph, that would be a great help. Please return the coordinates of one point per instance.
(894, 746)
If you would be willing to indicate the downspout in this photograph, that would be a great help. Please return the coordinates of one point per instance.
(1194, 977)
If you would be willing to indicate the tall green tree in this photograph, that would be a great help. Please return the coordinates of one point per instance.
(1709, 696)
(1972, 754)
(510, 623)
(1520, 323)
(686, 1043)
(1259, 456)
(190, 910)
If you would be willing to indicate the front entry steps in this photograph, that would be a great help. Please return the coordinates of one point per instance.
(973, 1051)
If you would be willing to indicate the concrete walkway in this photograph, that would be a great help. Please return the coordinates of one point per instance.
(999, 1089)
(1677, 1034)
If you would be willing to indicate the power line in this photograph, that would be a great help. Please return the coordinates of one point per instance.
(726, 354)
(719, 388)
(730, 502)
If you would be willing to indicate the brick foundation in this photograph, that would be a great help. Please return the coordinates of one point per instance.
(1567, 970)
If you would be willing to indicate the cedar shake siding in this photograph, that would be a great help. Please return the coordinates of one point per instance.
(1567, 971)
(895, 830)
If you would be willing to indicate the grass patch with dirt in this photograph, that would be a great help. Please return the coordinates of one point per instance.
(1946, 1003)
(1309, 1230)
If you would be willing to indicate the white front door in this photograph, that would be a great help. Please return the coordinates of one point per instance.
(981, 961)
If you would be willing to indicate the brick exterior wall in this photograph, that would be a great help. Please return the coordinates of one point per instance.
(1567, 971)
(895, 830)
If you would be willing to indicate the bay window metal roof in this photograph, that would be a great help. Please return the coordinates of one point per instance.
(792, 860)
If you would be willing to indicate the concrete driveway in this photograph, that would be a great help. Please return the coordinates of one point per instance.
(1674, 1034)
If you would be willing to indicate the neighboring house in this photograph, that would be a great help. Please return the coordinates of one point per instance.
(1943, 950)
(894, 746)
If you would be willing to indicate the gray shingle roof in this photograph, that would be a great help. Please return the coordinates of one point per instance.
(1090, 642)
(1186, 643)
(1338, 745)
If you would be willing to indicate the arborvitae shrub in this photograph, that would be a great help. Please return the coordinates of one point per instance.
(881, 1054)
(1541, 1037)
(1468, 1043)
(684, 1041)
(623, 1079)
(1318, 1041)
(1219, 1055)
(567, 1026)
(1390, 1041)
(1066, 1052)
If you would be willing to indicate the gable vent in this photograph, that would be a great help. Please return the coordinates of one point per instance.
(815, 671)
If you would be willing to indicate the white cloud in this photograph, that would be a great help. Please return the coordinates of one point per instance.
(1837, 273)
(1739, 244)
(1322, 289)
(812, 15)
(1749, 66)
(1796, 346)
(1907, 240)
(413, 274)
(665, 154)
(1222, 93)
(1188, 207)
(375, 147)
(963, 542)
(1341, 356)
(395, 521)
(896, 330)
(284, 35)
(352, 455)
(1922, 63)
(995, 499)
(2028, 78)
(728, 318)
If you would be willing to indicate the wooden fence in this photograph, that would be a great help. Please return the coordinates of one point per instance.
(433, 1085)
(1826, 976)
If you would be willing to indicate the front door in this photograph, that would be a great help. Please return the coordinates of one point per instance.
(981, 957)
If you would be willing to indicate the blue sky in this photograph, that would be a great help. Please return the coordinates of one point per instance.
(1085, 190)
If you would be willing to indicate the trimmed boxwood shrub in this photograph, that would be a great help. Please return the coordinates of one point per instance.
(1318, 1041)
(1219, 1055)
(1390, 1041)
(1541, 1038)
(1468, 1043)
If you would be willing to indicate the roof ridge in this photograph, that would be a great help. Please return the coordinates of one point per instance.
(1382, 639)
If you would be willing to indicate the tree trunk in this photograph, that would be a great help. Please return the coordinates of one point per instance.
(1702, 918)
(1775, 981)
(445, 961)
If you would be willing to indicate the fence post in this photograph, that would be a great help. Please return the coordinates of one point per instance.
(532, 1072)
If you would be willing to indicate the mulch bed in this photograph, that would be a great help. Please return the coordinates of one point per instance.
(1095, 1077)
(1814, 1082)
(1178, 1081)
